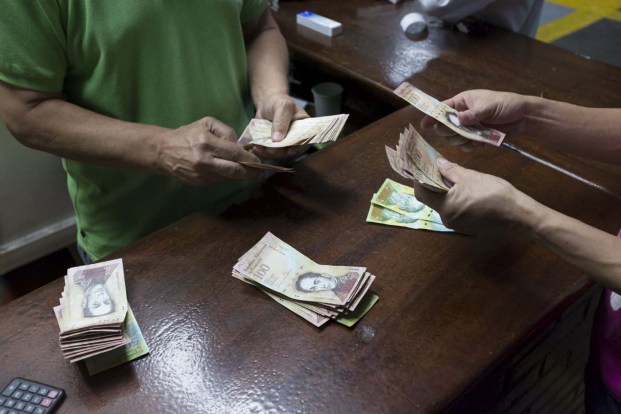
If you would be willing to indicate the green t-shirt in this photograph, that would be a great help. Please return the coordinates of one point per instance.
(159, 62)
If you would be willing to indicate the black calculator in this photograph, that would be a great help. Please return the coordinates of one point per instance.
(27, 396)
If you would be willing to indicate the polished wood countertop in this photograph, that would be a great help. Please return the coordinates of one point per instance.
(451, 308)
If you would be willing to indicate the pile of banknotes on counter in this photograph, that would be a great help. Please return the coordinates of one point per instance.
(395, 204)
(317, 293)
(95, 320)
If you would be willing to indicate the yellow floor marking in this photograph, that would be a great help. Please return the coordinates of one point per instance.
(599, 6)
(615, 16)
(566, 25)
(584, 14)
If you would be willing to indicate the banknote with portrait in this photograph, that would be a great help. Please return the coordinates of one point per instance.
(401, 199)
(279, 267)
(94, 295)
(443, 113)
(318, 293)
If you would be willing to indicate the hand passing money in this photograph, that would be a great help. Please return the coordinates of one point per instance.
(414, 158)
(447, 115)
(315, 292)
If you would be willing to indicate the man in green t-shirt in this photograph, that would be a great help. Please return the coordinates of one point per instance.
(144, 102)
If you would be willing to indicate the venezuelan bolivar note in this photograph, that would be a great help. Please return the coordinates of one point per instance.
(381, 215)
(401, 199)
(408, 168)
(447, 115)
(268, 167)
(367, 302)
(136, 348)
(414, 158)
(282, 269)
(425, 157)
(307, 314)
(303, 131)
(95, 295)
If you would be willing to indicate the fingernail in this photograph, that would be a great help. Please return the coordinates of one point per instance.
(277, 136)
(442, 161)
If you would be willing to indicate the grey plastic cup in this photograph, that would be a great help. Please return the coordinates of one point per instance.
(327, 98)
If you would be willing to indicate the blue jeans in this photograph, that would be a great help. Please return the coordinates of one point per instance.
(84, 256)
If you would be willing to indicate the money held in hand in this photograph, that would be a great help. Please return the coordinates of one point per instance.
(304, 131)
(415, 159)
(443, 113)
(315, 292)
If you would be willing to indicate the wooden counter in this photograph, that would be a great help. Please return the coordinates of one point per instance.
(451, 306)
(452, 309)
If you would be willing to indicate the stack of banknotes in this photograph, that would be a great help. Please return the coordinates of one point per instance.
(94, 316)
(395, 204)
(304, 131)
(415, 159)
(446, 115)
(317, 293)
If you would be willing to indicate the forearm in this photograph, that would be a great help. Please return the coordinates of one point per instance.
(595, 252)
(200, 153)
(268, 60)
(591, 132)
(67, 130)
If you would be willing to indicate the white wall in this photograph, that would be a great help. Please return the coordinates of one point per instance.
(36, 216)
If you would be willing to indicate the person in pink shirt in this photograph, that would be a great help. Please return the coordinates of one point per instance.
(478, 203)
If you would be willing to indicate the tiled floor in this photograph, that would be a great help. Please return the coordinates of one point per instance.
(590, 28)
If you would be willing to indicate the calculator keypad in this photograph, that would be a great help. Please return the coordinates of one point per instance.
(25, 396)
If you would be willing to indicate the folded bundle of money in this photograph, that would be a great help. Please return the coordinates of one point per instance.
(443, 113)
(136, 348)
(92, 310)
(304, 131)
(315, 292)
(415, 159)
(396, 205)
